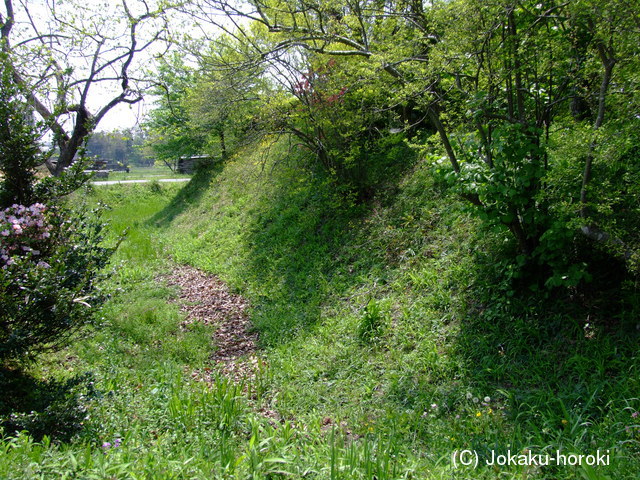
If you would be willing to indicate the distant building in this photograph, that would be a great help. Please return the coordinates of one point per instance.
(188, 164)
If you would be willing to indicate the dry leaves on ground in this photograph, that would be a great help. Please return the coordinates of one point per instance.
(206, 299)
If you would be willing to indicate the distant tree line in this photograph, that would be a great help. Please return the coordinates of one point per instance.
(122, 147)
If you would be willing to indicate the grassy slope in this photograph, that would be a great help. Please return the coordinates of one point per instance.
(412, 264)
(381, 342)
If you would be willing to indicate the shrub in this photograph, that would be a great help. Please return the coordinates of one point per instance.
(50, 256)
(19, 152)
(50, 261)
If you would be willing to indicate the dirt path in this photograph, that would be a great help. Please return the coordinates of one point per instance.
(206, 299)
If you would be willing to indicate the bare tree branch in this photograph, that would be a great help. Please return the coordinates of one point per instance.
(73, 57)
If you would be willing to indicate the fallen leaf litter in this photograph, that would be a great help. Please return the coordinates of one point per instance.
(206, 299)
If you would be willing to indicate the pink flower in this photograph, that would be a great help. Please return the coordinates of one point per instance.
(5, 233)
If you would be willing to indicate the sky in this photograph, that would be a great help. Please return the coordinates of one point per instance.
(124, 116)
(93, 16)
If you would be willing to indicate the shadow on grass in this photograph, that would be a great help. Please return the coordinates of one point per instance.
(567, 362)
(294, 245)
(53, 408)
(301, 246)
(190, 194)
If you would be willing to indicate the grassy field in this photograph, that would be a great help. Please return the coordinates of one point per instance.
(388, 344)
(155, 172)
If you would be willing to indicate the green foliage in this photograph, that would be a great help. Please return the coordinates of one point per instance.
(225, 97)
(373, 323)
(50, 255)
(19, 152)
(52, 259)
(335, 115)
(168, 131)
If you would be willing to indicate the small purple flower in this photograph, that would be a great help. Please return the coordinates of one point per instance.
(634, 415)
(106, 445)
(116, 443)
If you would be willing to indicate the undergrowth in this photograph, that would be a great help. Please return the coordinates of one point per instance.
(389, 342)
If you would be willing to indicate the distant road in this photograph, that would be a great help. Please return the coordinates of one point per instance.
(162, 180)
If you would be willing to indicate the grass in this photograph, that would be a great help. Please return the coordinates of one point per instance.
(388, 343)
(155, 172)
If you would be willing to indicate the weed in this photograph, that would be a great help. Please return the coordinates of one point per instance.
(372, 324)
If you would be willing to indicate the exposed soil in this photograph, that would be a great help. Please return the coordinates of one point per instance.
(206, 299)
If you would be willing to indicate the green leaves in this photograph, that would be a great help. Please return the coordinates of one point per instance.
(19, 152)
(48, 291)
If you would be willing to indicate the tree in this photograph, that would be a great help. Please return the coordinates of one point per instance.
(518, 71)
(337, 108)
(67, 55)
(19, 153)
(500, 83)
(169, 133)
(206, 100)
(226, 93)
(333, 108)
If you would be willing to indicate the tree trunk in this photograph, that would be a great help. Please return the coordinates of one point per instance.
(69, 146)
(608, 62)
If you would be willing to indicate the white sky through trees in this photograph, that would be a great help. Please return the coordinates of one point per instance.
(52, 36)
